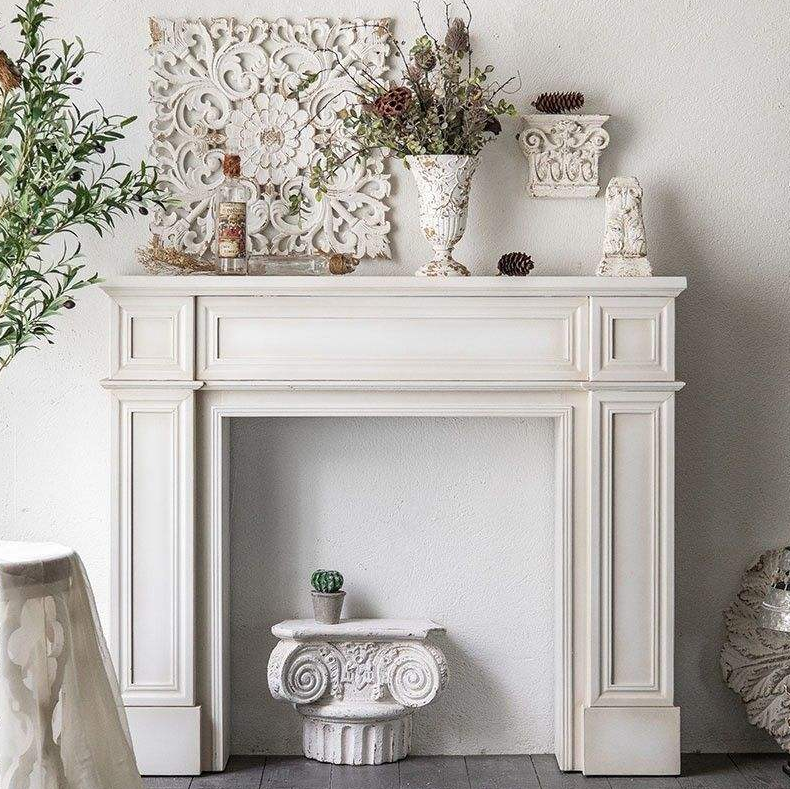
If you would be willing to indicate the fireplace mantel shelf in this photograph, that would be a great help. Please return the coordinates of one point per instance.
(595, 355)
(352, 285)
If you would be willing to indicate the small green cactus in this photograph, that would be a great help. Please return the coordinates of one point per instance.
(326, 581)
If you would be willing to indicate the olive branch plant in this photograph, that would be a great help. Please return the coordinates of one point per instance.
(56, 176)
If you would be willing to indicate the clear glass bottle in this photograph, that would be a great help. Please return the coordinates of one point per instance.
(230, 219)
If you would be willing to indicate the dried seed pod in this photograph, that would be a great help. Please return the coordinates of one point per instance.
(394, 103)
(10, 75)
(457, 37)
(342, 263)
(557, 103)
(425, 59)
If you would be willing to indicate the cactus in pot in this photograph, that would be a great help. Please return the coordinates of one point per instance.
(327, 596)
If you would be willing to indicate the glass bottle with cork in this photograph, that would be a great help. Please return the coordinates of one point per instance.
(230, 218)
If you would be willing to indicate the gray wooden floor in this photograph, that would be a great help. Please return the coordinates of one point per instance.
(700, 771)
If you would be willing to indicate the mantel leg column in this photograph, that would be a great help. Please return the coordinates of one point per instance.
(153, 574)
(630, 724)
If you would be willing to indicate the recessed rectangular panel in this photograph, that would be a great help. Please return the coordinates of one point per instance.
(153, 550)
(152, 338)
(633, 340)
(633, 551)
(392, 339)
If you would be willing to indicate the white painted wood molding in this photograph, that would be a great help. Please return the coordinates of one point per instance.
(594, 355)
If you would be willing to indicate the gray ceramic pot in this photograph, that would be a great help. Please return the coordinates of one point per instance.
(327, 607)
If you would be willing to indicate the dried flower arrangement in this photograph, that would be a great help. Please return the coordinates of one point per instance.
(441, 104)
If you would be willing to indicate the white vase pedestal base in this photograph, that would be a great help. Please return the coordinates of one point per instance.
(356, 684)
(442, 268)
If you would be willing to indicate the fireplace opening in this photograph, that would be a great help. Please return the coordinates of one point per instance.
(446, 518)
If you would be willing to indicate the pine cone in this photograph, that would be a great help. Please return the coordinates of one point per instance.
(457, 36)
(394, 103)
(10, 75)
(515, 264)
(556, 103)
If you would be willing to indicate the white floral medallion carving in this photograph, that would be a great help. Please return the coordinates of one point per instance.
(562, 153)
(225, 84)
(755, 661)
(625, 240)
(443, 186)
(356, 696)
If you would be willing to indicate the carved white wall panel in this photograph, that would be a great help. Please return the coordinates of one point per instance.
(562, 153)
(225, 84)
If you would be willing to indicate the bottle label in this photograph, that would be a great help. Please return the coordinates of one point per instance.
(232, 230)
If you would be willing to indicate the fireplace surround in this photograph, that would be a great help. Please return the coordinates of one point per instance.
(594, 355)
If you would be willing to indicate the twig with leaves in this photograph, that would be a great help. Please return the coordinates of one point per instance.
(442, 104)
(57, 175)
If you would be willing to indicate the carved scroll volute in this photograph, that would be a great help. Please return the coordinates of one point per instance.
(414, 674)
(304, 673)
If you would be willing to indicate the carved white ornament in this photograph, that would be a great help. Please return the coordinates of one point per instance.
(443, 186)
(562, 153)
(357, 696)
(625, 241)
(224, 84)
(755, 662)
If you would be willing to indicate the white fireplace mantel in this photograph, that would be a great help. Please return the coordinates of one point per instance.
(594, 355)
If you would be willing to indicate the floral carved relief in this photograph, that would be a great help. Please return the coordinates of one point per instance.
(755, 662)
(225, 84)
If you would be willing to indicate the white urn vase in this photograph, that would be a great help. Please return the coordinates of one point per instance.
(443, 184)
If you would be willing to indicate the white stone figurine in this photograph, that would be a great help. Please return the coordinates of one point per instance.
(625, 242)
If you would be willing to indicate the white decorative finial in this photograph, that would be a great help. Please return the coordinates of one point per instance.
(625, 242)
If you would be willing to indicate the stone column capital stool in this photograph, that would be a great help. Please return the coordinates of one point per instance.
(62, 723)
(357, 684)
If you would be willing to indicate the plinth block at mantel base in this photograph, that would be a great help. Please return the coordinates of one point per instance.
(628, 740)
(594, 355)
(357, 684)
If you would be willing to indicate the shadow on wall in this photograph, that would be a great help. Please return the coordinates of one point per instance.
(733, 452)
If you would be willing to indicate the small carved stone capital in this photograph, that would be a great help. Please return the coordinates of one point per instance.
(357, 685)
(562, 152)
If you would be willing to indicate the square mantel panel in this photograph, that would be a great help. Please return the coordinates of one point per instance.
(152, 338)
(632, 339)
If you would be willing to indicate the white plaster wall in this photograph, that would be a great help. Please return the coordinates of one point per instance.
(698, 93)
(450, 519)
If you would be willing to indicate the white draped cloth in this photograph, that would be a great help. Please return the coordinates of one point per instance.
(62, 722)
